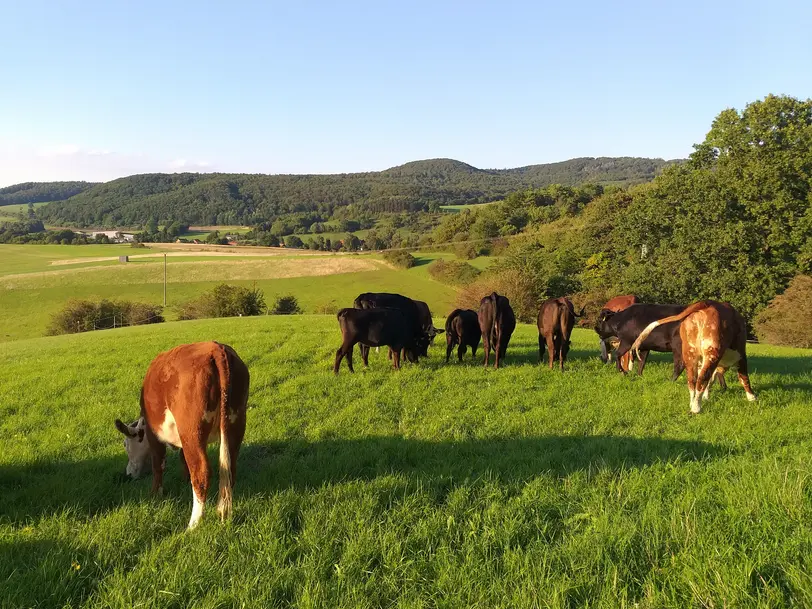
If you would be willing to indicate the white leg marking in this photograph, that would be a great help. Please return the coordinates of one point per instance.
(696, 401)
(197, 510)
(751, 397)
(707, 389)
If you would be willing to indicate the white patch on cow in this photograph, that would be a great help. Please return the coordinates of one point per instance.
(208, 416)
(197, 510)
(705, 393)
(751, 397)
(696, 401)
(167, 432)
(232, 418)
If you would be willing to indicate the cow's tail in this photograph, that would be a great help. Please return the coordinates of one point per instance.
(449, 324)
(697, 306)
(224, 372)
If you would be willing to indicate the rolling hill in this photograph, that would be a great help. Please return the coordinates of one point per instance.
(39, 192)
(223, 199)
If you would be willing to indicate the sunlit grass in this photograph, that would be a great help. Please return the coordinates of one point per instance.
(436, 486)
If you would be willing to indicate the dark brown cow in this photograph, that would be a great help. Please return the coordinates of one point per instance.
(555, 321)
(617, 304)
(462, 328)
(192, 395)
(496, 323)
(714, 338)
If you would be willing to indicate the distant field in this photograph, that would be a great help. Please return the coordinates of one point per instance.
(437, 486)
(459, 208)
(12, 212)
(201, 232)
(32, 289)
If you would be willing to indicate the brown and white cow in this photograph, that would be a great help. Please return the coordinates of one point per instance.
(192, 395)
(617, 304)
(714, 338)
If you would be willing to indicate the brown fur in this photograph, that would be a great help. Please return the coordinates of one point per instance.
(714, 336)
(555, 321)
(191, 381)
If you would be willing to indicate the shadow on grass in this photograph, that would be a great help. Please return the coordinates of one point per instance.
(94, 486)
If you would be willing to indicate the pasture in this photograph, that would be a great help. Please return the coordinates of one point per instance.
(436, 486)
(36, 281)
(10, 213)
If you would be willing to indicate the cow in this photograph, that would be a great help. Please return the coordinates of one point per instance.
(462, 328)
(555, 321)
(714, 338)
(496, 324)
(417, 310)
(191, 395)
(627, 325)
(617, 304)
(378, 327)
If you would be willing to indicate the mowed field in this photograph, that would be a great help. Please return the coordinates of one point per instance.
(436, 486)
(36, 281)
(10, 213)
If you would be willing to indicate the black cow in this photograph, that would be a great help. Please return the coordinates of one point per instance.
(555, 321)
(462, 328)
(496, 323)
(375, 328)
(416, 310)
(627, 325)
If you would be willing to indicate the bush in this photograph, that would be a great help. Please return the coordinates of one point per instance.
(453, 272)
(511, 283)
(399, 258)
(286, 305)
(327, 308)
(137, 245)
(224, 301)
(87, 315)
(786, 320)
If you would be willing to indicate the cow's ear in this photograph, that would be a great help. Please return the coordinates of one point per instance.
(124, 429)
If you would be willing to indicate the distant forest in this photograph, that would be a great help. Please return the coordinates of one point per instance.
(39, 192)
(255, 199)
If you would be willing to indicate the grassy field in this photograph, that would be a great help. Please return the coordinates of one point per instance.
(32, 288)
(12, 212)
(436, 486)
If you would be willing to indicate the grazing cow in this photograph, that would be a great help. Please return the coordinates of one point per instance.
(617, 304)
(627, 325)
(417, 310)
(192, 395)
(496, 324)
(378, 327)
(462, 328)
(555, 321)
(714, 338)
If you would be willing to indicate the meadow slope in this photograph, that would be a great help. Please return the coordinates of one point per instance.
(436, 486)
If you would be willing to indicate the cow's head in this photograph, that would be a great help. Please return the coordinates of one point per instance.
(421, 344)
(603, 324)
(137, 447)
(432, 332)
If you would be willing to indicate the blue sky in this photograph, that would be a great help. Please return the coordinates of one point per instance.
(97, 90)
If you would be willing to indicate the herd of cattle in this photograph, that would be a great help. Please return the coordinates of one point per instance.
(196, 394)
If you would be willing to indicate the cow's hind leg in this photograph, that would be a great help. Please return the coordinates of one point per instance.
(199, 474)
(487, 347)
(184, 469)
(542, 343)
(395, 358)
(641, 364)
(551, 349)
(744, 378)
(461, 351)
(449, 348)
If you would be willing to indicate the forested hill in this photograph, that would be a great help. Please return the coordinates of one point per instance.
(223, 199)
(36, 192)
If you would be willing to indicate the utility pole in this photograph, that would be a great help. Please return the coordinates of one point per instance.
(164, 279)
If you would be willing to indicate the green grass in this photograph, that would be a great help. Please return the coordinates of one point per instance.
(436, 486)
(10, 213)
(28, 302)
(458, 208)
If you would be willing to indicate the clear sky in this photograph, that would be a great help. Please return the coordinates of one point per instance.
(97, 90)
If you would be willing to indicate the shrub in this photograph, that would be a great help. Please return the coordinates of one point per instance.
(138, 245)
(453, 272)
(399, 258)
(224, 301)
(786, 320)
(286, 305)
(517, 287)
(327, 308)
(86, 315)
